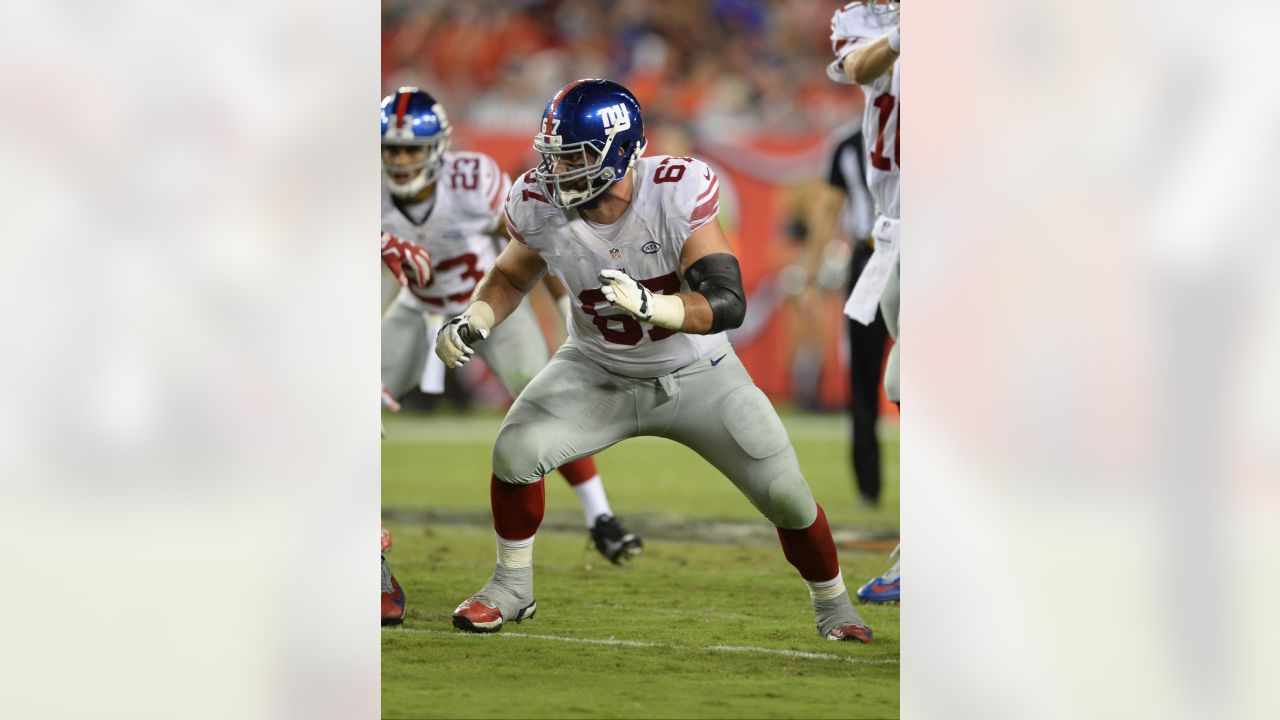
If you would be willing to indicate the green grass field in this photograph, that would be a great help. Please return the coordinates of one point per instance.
(710, 622)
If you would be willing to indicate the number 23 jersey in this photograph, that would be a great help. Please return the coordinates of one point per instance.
(672, 198)
(458, 231)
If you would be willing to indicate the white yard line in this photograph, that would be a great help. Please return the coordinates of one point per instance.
(747, 649)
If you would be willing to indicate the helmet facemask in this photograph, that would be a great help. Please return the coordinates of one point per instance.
(421, 174)
(585, 170)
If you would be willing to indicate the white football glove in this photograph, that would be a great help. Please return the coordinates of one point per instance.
(388, 401)
(622, 291)
(453, 342)
(407, 261)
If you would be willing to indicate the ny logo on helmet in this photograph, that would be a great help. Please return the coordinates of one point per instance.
(615, 119)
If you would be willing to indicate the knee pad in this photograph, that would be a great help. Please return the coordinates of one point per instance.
(775, 484)
(791, 504)
(516, 454)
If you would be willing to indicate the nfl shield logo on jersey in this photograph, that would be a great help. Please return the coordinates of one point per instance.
(615, 254)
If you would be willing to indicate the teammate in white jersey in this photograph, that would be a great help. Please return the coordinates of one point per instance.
(450, 203)
(866, 40)
(407, 262)
(655, 283)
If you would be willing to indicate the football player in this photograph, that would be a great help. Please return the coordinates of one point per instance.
(407, 262)
(450, 203)
(866, 40)
(655, 285)
(393, 599)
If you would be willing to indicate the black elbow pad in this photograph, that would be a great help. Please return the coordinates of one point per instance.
(719, 279)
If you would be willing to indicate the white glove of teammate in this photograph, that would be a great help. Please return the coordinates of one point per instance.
(453, 342)
(388, 401)
(407, 261)
(665, 311)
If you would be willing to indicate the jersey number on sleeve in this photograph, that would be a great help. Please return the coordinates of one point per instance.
(631, 332)
(461, 177)
(666, 172)
(526, 194)
(884, 103)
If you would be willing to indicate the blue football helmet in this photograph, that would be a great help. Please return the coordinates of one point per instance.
(413, 118)
(590, 137)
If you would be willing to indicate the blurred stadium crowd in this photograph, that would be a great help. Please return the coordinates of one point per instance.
(728, 67)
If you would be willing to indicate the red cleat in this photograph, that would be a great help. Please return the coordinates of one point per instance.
(475, 616)
(392, 597)
(851, 633)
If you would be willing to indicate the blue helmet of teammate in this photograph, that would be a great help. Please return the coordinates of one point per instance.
(591, 134)
(412, 119)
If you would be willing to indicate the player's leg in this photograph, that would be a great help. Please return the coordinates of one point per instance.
(515, 352)
(725, 418)
(393, 599)
(404, 346)
(888, 587)
(611, 538)
(573, 408)
(889, 305)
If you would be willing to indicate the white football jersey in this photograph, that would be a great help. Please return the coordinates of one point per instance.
(458, 232)
(673, 197)
(851, 27)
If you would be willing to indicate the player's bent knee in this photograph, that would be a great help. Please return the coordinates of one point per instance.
(791, 505)
(516, 454)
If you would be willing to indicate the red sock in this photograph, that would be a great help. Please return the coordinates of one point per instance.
(579, 471)
(517, 509)
(812, 550)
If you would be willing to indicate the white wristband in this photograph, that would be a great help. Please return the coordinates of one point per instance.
(481, 315)
(895, 40)
(668, 311)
